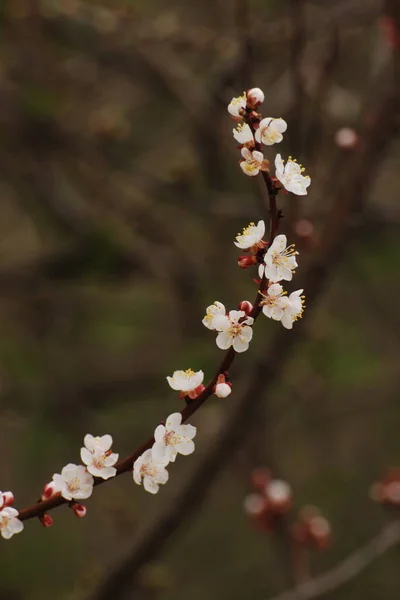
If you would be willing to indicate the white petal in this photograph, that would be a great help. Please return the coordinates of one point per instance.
(86, 456)
(285, 273)
(188, 431)
(89, 442)
(277, 313)
(185, 448)
(150, 485)
(275, 289)
(9, 512)
(246, 334)
(258, 156)
(17, 526)
(235, 315)
(261, 271)
(173, 384)
(105, 442)
(111, 459)
(159, 433)
(159, 451)
(278, 245)
(221, 322)
(162, 476)
(240, 345)
(173, 421)
(224, 340)
(287, 320)
(279, 167)
(279, 125)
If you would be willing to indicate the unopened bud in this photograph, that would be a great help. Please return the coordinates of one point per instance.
(247, 260)
(49, 490)
(260, 477)
(255, 96)
(222, 390)
(79, 509)
(46, 520)
(346, 138)
(246, 306)
(279, 494)
(8, 499)
(254, 505)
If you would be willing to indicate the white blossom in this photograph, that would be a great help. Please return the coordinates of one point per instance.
(290, 176)
(294, 309)
(212, 311)
(243, 135)
(270, 131)
(98, 457)
(173, 438)
(151, 471)
(274, 302)
(74, 482)
(233, 333)
(253, 162)
(250, 236)
(186, 382)
(9, 522)
(255, 96)
(236, 105)
(280, 260)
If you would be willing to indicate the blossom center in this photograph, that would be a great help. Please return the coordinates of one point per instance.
(235, 329)
(281, 259)
(73, 485)
(189, 373)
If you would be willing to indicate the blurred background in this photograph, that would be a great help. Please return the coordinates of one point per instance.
(120, 197)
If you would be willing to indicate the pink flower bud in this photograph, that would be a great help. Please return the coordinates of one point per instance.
(260, 477)
(246, 306)
(49, 490)
(246, 260)
(255, 96)
(46, 520)
(222, 390)
(8, 499)
(79, 509)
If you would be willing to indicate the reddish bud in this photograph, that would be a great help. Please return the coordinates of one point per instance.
(246, 306)
(245, 261)
(79, 509)
(49, 490)
(260, 477)
(46, 520)
(8, 499)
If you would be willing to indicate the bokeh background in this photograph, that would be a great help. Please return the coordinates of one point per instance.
(120, 195)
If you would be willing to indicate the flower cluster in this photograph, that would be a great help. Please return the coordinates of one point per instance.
(254, 132)
(271, 500)
(170, 439)
(9, 522)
